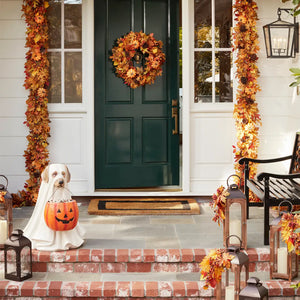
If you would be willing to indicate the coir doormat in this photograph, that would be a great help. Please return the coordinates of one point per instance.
(143, 206)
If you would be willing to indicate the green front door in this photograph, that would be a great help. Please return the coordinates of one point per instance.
(136, 144)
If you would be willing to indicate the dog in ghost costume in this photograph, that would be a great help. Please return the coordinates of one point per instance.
(55, 179)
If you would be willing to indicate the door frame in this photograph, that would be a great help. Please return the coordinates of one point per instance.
(187, 71)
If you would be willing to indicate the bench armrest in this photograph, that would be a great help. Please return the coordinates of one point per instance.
(263, 175)
(246, 160)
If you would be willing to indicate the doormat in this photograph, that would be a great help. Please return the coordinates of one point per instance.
(144, 206)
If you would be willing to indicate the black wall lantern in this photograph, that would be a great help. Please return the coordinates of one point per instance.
(17, 257)
(281, 37)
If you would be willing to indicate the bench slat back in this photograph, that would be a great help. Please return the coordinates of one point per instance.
(295, 162)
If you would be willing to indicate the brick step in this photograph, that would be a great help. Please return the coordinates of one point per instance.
(126, 290)
(121, 273)
(133, 260)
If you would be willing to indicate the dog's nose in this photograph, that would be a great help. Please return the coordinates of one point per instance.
(61, 182)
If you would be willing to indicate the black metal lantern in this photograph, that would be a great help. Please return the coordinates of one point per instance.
(254, 290)
(17, 257)
(6, 223)
(281, 37)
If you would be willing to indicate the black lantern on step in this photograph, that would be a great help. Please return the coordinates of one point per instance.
(6, 223)
(281, 37)
(17, 257)
(254, 290)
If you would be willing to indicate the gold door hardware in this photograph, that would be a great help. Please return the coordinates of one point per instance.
(175, 116)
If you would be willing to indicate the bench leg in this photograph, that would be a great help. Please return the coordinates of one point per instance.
(266, 222)
(247, 199)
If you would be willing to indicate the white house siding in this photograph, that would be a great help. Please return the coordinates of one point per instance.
(278, 103)
(12, 94)
(68, 142)
(208, 131)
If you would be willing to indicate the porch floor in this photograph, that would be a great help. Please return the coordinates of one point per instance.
(158, 255)
(152, 231)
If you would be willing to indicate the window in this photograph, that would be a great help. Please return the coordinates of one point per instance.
(65, 51)
(212, 51)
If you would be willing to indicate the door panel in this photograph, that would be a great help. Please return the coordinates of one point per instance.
(134, 144)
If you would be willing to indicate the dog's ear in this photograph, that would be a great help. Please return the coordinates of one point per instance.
(45, 175)
(68, 175)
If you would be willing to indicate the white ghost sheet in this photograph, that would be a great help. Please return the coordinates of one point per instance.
(55, 179)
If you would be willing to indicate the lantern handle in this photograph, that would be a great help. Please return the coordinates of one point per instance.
(290, 206)
(2, 186)
(234, 186)
(16, 235)
(233, 235)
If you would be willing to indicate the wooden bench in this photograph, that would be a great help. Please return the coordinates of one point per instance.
(271, 188)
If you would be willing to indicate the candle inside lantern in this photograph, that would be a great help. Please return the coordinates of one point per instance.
(229, 292)
(282, 260)
(235, 229)
(3, 231)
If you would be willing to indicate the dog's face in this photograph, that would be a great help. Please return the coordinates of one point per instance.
(56, 174)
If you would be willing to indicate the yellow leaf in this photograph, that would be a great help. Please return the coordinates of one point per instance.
(37, 38)
(46, 4)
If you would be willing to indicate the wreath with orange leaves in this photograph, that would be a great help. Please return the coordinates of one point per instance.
(138, 58)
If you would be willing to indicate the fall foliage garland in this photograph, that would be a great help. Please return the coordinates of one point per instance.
(213, 265)
(246, 113)
(37, 82)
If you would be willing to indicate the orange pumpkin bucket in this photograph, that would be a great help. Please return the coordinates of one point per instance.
(61, 216)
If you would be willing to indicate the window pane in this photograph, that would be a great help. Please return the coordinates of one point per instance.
(203, 38)
(55, 77)
(223, 23)
(73, 77)
(223, 76)
(73, 24)
(203, 77)
(54, 18)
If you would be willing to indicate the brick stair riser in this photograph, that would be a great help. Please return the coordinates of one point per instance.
(133, 260)
(128, 260)
(127, 290)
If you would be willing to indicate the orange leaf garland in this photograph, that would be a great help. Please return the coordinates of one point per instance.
(213, 265)
(246, 113)
(219, 204)
(289, 223)
(37, 82)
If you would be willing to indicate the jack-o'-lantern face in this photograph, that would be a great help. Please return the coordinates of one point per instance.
(61, 216)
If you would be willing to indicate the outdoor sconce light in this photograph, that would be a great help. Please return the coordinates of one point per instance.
(283, 264)
(239, 268)
(6, 224)
(281, 37)
(17, 257)
(254, 290)
(236, 226)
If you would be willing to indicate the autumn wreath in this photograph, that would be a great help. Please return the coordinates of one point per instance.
(138, 58)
